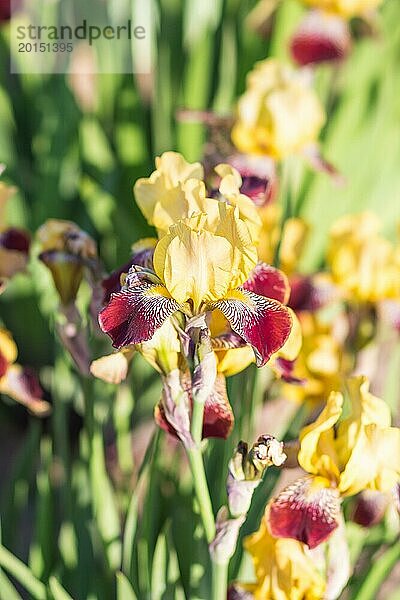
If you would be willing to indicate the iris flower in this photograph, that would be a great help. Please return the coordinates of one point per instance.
(196, 272)
(66, 250)
(14, 242)
(279, 114)
(320, 37)
(360, 452)
(284, 568)
(346, 8)
(17, 382)
(164, 352)
(363, 263)
(176, 191)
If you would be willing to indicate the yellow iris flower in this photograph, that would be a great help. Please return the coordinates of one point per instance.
(346, 8)
(342, 458)
(176, 191)
(284, 568)
(66, 250)
(279, 114)
(364, 453)
(320, 362)
(363, 263)
(15, 381)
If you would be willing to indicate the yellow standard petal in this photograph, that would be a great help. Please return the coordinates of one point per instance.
(194, 265)
(317, 453)
(368, 447)
(230, 189)
(161, 197)
(237, 233)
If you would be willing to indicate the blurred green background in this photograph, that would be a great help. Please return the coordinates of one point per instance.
(80, 162)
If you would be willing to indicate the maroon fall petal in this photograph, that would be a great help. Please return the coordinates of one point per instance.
(301, 293)
(285, 369)
(22, 384)
(259, 178)
(111, 284)
(370, 508)
(320, 38)
(218, 415)
(305, 511)
(258, 189)
(3, 364)
(269, 282)
(310, 293)
(15, 239)
(5, 10)
(263, 323)
(132, 316)
(31, 383)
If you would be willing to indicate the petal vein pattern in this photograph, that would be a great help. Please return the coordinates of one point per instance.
(306, 510)
(132, 316)
(260, 321)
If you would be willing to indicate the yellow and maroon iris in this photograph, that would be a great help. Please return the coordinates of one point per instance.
(343, 457)
(18, 382)
(198, 271)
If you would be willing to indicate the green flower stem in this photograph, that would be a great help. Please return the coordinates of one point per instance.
(196, 427)
(219, 581)
(202, 492)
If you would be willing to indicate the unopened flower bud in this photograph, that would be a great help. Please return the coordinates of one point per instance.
(66, 251)
(266, 452)
(67, 273)
(223, 546)
(247, 468)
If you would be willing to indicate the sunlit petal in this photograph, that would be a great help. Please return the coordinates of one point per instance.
(261, 322)
(133, 315)
(306, 510)
(317, 453)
